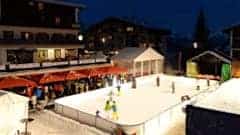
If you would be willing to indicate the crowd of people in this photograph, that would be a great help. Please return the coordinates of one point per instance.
(41, 95)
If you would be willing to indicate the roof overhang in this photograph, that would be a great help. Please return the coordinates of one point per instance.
(222, 58)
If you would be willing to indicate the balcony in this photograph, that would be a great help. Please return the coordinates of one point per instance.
(52, 64)
(33, 35)
(40, 41)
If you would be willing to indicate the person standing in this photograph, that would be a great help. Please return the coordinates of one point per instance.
(173, 87)
(115, 115)
(134, 83)
(158, 81)
(86, 87)
(119, 90)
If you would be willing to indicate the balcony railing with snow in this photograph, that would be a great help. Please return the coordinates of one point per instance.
(53, 64)
(24, 66)
(11, 67)
(2, 67)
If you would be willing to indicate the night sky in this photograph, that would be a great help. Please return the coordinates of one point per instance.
(178, 15)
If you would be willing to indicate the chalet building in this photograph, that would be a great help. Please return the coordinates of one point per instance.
(115, 33)
(234, 39)
(39, 30)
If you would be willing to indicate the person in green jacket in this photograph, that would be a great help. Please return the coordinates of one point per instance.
(115, 115)
(108, 106)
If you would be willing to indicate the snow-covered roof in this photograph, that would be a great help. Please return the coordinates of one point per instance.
(137, 54)
(12, 97)
(215, 54)
(225, 99)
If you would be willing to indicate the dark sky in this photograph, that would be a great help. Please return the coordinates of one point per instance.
(178, 15)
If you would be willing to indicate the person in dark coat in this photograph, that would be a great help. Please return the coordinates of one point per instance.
(134, 83)
(173, 87)
(158, 81)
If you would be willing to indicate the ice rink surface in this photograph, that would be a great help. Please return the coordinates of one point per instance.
(138, 105)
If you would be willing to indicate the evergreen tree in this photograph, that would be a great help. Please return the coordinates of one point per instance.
(201, 31)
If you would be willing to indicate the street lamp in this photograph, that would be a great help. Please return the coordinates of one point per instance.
(195, 45)
(80, 37)
(103, 39)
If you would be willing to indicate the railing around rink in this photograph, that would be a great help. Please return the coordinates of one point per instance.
(85, 118)
(172, 112)
(176, 111)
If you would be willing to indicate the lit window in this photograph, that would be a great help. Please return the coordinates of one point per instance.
(40, 6)
(103, 39)
(57, 20)
(129, 29)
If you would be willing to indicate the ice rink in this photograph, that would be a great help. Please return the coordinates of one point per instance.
(142, 110)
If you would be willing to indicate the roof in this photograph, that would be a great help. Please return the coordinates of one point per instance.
(137, 54)
(13, 97)
(215, 54)
(130, 22)
(64, 3)
(224, 99)
(233, 26)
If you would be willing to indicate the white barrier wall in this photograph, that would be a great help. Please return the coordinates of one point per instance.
(70, 125)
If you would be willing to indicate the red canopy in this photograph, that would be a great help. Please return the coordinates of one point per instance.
(51, 78)
(34, 77)
(74, 75)
(12, 82)
(92, 72)
(115, 70)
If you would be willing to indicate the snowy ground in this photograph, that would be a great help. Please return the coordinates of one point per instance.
(49, 123)
(42, 127)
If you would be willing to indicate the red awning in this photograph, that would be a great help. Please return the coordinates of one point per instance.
(12, 82)
(91, 72)
(51, 78)
(33, 77)
(115, 70)
(75, 75)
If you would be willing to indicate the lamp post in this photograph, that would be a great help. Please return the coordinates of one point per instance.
(80, 37)
(103, 39)
(180, 61)
(195, 45)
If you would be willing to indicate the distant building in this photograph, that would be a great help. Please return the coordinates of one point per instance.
(234, 39)
(208, 63)
(115, 33)
(38, 31)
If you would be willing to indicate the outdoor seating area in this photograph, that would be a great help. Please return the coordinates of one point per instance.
(43, 88)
